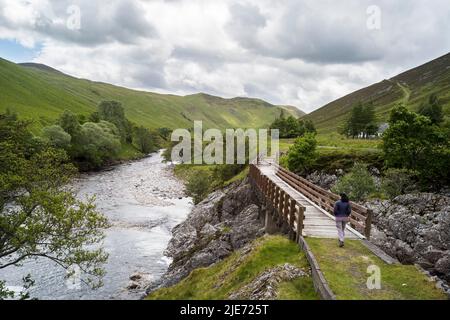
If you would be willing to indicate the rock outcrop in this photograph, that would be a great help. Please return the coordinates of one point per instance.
(265, 286)
(415, 229)
(227, 220)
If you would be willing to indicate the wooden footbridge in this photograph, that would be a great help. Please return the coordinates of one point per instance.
(301, 207)
(295, 206)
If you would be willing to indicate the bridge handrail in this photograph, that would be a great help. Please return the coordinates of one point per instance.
(289, 210)
(361, 218)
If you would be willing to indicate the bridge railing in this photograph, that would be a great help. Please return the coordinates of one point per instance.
(289, 211)
(361, 217)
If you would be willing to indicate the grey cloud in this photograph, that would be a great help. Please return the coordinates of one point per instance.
(101, 22)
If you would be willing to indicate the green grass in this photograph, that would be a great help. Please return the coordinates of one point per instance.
(185, 171)
(335, 141)
(220, 280)
(42, 95)
(129, 152)
(346, 272)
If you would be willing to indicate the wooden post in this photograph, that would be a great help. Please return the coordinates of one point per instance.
(368, 224)
(287, 202)
(292, 219)
(281, 204)
(300, 218)
(276, 189)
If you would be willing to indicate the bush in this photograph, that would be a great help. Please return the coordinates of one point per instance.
(397, 182)
(57, 137)
(302, 154)
(198, 186)
(98, 143)
(358, 184)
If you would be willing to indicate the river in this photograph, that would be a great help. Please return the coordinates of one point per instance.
(143, 202)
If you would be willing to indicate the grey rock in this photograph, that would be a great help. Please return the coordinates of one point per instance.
(415, 228)
(322, 179)
(443, 266)
(225, 221)
(265, 286)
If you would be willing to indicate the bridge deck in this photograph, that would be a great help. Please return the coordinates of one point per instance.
(317, 223)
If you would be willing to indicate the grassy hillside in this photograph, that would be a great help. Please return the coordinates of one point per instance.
(411, 87)
(42, 93)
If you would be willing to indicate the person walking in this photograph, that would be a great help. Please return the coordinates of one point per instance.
(342, 211)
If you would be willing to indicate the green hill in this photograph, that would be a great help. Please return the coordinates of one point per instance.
(411, 87)
(40, 92)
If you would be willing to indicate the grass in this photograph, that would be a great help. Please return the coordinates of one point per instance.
(42, 95)
(346, 272)
(335, 141)
(220, 280)
(129, 152)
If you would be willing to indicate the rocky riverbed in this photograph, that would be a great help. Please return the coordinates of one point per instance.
(143, 201)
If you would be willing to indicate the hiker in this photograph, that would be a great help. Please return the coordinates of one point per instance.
(342, 211)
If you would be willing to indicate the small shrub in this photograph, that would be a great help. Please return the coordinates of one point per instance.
(358, 184)
(302, 154)
(397, 182)
(198, 186)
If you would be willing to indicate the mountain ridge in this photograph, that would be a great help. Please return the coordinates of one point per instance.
(42, 93)
(411, 87)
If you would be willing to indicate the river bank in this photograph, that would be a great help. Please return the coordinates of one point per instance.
(143, 201)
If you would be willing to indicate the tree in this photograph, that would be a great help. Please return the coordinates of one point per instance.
(57, 137)
(39, 216)
(433, 110)
(144, 140)
(112, 111)
(302, 153)
(99, 142)
(362, 121)
(292, 128)
(358, 184)
(397, 182)
(412, 142)
(198, 186)
(69, 122)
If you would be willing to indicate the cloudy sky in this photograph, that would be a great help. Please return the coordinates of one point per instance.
(299, 52)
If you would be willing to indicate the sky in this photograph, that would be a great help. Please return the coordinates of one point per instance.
(304, 53)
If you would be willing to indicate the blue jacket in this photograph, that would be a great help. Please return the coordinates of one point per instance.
(342, 209)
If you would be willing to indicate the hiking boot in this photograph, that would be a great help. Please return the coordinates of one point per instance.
(341, 244)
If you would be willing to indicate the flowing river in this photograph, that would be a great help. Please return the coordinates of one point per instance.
(143, 202)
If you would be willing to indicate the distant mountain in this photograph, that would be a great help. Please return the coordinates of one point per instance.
(411, 87)
(42, 93)
(296, 112)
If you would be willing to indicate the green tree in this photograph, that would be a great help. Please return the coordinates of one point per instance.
(144, 140)
(397, 182)
(358, 184)
(198, 186)
(433, 110)
(412, 142)
(362, 121)
(69, 122)
(99, 143)
(39, 216)
(302, 153)
(57, 137)
(113, 111)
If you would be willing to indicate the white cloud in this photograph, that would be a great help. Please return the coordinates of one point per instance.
(304, 53)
